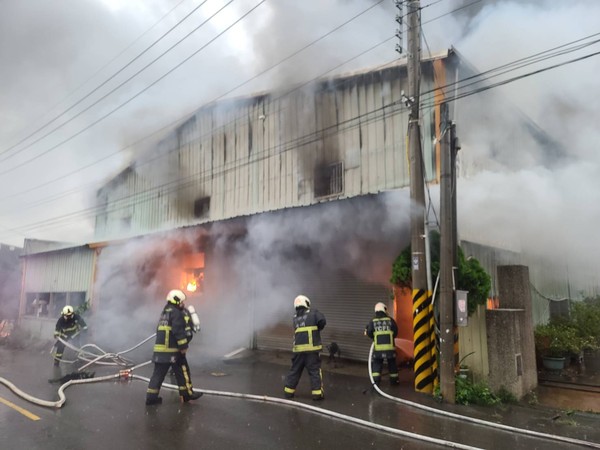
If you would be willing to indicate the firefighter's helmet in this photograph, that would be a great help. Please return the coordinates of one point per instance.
(68, 311)
(302, 301)
(176, 297)
(380, 307)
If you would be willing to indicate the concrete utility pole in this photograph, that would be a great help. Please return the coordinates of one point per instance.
(421, 296)
(447, 253)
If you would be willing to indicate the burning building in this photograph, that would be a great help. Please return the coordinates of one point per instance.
(250, 202)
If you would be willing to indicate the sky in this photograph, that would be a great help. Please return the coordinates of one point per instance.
(86, 84)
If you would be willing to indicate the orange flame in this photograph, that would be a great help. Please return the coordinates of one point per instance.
(192, 286)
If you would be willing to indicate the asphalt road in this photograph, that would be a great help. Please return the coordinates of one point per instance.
(112, 414)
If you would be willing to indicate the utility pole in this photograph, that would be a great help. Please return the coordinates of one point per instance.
(421, 297)
(447, 263)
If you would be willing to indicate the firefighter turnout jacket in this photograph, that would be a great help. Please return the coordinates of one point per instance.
(171, 335)
(67, 328)
(382, 329)
(307, 330)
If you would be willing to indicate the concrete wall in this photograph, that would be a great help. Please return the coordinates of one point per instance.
(511, 351)
(472, 344)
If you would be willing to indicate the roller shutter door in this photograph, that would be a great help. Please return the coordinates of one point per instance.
(348, 306)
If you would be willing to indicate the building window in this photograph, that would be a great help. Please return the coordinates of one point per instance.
(50, 304)
(202, 207)
(329, 179)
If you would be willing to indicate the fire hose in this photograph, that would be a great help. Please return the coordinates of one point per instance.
(473, 419)
(127, 374)
(96, 358)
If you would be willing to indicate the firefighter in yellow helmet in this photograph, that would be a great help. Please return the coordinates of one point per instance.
(68, 327)
(308, 324)
(383, 330)
(173, 335)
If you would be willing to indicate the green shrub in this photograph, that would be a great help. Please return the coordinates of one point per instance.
(585, 319)
(556, 340)
(479, 393)
(470, 276)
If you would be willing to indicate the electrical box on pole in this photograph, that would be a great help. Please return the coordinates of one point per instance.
(461, 312)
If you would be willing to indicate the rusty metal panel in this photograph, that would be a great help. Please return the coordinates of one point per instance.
(261, 153)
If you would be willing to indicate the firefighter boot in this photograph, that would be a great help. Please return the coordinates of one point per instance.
(154, 400)
(193, 396)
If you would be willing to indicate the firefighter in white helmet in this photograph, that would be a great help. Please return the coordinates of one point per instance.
(172, 339)
(68, 327)
(308, 324)
(383, 330)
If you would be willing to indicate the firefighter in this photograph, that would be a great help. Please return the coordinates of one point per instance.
(308, 324)
(68, 327)
(382, 329)
(173, 335)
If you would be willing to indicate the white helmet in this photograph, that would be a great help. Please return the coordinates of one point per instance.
(176, 297)
(68, 311)
(380, 307)
(302, 301)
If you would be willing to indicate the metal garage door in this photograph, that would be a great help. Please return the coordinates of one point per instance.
(348, 306)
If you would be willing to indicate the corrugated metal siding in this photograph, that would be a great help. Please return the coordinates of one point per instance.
(348, 306)
(260, 154)
(60, 271)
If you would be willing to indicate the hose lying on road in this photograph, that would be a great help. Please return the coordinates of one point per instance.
(325, 412)
(115, 359)
(61, 390)
(127, 375)
(475, 420)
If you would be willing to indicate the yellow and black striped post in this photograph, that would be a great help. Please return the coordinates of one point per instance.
(422, 340)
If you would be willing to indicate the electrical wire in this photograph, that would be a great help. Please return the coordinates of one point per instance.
(112, 111)
(334, 30)
(102, 68)
(561, 64)
(160, 78)
(85, 129)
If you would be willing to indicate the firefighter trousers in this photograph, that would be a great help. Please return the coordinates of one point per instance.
(377, 366)
(312, 362)
(182, 375)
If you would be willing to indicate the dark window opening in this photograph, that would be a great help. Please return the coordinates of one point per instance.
(329, 180)
(50, 304)
(202, 207)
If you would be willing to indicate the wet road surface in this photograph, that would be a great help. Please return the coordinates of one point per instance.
(112, 414)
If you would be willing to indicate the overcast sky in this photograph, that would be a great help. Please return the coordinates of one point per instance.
(83, 80)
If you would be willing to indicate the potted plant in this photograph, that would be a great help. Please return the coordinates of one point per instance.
(554, 342)
(585, 318)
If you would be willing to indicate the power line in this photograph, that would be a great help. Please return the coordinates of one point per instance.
(288, 57)
(183, 183)
(137, 94)
(91, 77)
(117, 87)
(318, 133)
(558, 65)
(212, 131)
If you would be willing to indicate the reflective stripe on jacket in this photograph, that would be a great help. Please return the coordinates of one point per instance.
(307, 330)
(383, 336)
(171, 336)
(66, 328)
(382, 329)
